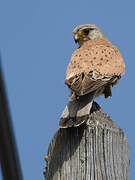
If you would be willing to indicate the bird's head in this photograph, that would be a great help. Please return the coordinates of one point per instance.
(87, 32)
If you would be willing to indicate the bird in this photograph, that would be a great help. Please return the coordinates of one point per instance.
(94, 67)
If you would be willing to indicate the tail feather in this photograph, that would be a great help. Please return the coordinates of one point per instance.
(76, 112)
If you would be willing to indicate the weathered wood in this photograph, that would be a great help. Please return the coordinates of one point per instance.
(96, 150)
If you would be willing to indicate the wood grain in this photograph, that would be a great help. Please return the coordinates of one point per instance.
(96, 150)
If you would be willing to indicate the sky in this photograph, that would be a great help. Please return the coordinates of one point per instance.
(36, 44)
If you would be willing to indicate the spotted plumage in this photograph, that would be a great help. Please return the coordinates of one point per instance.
(93, 68)
(95, 65)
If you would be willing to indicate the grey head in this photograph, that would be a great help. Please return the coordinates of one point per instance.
(87, 32)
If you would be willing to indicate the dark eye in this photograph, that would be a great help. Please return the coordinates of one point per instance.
(86, 31)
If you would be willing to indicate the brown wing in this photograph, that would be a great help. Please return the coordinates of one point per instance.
(94, 65)
(86, 83)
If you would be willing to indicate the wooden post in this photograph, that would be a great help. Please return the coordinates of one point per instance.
(96, 150)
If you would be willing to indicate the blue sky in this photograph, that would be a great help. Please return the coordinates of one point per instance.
(36, 44)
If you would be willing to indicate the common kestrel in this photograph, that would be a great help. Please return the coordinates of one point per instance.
(95, 66)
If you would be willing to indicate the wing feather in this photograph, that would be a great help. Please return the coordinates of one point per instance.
(86, 83)
(94, 65)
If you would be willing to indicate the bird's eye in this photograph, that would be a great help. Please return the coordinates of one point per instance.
(86, 31)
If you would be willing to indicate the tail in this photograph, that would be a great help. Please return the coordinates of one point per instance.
(77, 112)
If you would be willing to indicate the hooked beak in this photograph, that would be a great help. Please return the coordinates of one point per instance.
(76, 38)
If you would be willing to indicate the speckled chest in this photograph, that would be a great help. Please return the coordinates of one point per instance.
(96, 55)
